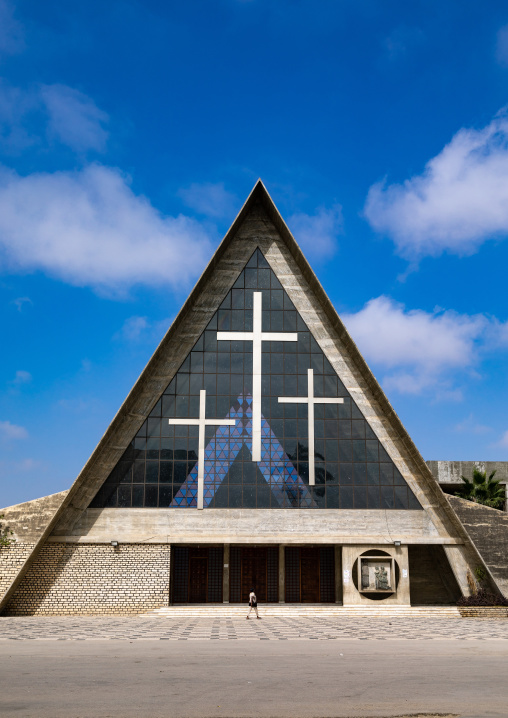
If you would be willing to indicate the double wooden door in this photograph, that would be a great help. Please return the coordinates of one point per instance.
(254, 567)
(310, 574)
(198, 579)
(196, 574)
(253, 573)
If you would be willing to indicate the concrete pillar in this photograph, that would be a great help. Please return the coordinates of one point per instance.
(457, 558)
(338, 574)
(282, 575)
(348, 589)
(225, 575)
(353, 597)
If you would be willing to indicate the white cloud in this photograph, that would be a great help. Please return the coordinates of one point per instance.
(22, 377)
(63, 113)
(400, 40)
(20, 302)
(136, 329)
(74, 118)
(132, 328)
(417, 350)
(26, 464)
(470, 426)
(504, 440)
(76, 405)
(502, 45)
(11, 33)
(456, 204)
(10, 431)
(88, 228)
(15, 107)
(210, 200)
(317, 234)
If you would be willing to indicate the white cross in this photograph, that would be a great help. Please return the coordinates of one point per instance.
(202, 422)
(257, 337)
(310, 400)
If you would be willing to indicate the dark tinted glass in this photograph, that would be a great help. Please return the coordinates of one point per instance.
(352, 469)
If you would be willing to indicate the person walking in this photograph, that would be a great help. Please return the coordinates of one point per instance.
(253, 603)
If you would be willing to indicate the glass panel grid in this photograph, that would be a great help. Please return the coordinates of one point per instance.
(352, 469)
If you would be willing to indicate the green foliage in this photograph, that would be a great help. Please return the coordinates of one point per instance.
(5, 534)
(483, 490)
(480, 573)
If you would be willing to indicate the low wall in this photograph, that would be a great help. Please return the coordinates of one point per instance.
(451, 472)
(483, 611)
(70, 579)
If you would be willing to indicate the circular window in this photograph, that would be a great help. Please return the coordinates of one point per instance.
(379, 578)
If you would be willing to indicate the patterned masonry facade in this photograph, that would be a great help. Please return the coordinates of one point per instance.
(12, 559)
(77, 579)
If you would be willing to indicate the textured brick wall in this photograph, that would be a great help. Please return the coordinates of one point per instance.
(483, 612)
(84, 579)
(12, 559)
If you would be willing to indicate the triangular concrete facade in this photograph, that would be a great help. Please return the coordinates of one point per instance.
(259, 225)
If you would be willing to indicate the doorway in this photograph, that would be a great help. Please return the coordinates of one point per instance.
(310, 574)
(196, 574)
(254, 567)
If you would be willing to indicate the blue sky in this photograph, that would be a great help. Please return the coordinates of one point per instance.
(132, 132)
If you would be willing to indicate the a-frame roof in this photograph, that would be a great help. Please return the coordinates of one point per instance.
(258, 220)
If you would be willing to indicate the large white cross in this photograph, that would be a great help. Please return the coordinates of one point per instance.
(257, 337)
(202, 422)
(311, 401)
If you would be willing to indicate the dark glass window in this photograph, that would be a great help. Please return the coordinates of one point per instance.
(352, 469)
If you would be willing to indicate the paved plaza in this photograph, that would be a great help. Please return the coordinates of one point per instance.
(133, 668)
(82, 628)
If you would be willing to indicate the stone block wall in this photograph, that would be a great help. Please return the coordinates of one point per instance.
(87, 579)
(488, 529)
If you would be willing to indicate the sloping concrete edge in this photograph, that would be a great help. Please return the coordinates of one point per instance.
(31, 523)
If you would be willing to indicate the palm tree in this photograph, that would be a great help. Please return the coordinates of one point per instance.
(483, 490)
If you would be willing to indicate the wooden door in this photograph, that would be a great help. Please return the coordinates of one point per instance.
(253, 573)
(292, 574)
(309, 573)
(198, 579)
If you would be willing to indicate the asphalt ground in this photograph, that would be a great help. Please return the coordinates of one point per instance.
(98, 675)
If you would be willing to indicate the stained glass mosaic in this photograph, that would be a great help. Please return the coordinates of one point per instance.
(249, 397)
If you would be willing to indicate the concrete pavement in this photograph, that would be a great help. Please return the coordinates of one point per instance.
(269, 628)
(102, 676)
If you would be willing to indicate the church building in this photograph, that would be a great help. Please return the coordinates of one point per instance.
(256, 450)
